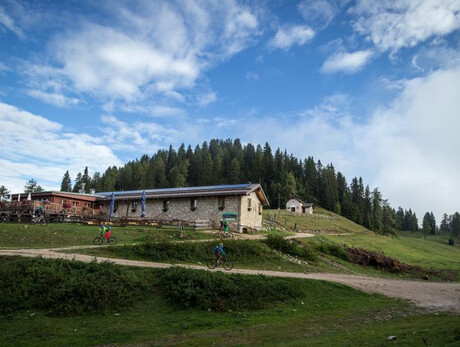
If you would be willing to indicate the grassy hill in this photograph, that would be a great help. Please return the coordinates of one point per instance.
(150, 307)
(322, 221)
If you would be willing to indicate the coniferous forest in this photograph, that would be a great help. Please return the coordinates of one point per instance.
(281, 175)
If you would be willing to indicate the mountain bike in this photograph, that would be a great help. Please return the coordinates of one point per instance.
(99, 240)
(224, 235)
(224, 261)
(39, 219)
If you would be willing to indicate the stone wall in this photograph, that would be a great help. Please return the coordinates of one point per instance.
(206, 209)
(181, 209)
(251, 212)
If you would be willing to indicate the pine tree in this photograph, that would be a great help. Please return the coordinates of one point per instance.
(368, 210)
(455, 225)
(32, 186)
(311, 179)
(234, 172)
(66, 184)
(426, 225)
(77, 183)
(377, 210)
(387, 220)
(444, 226)
(4, 192)
(85, 180)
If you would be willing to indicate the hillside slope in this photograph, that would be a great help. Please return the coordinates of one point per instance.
(322, 221)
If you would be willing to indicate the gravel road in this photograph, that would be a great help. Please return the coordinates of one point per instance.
(433, 296)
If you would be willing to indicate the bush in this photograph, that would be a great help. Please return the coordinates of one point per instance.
(222, 292)
(332, 248)
(65, 287)
(291, 247)
(451, 242)
(243, 252)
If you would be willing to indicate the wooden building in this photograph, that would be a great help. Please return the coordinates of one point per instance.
(56, 200)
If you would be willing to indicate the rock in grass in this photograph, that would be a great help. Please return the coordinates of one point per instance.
(391, 338)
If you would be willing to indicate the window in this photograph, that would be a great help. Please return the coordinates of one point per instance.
(193, 203)
(249, 205)
(165, 205)
(134, 206)
(260, 208)
(221, 203)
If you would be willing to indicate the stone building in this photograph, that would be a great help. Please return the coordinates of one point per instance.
(298, 206)
(191, 204)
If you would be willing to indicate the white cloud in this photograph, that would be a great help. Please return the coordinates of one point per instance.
(409, 149)
(166, 111)
(394, 24)
(40, 147)
(252, 76)
(416, 144)
(3, 67)
(157, 47)
(8, 22)
(55, 99)
(318, 12)
(291, 35)
(137, 137)
(206, 99)
(346, 62)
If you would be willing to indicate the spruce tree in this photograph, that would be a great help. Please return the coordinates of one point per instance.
(32, 186)
(4, 192)
(444, 226)
(66, 184)
(426, 225)
(455, 225)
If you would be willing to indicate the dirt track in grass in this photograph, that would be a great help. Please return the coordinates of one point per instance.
(435, 296)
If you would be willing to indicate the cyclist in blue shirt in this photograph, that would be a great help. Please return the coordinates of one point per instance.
(219, 253)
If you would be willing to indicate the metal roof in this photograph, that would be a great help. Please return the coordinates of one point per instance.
(219, 190)
(180, 189)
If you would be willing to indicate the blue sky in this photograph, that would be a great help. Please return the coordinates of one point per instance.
(372, 87)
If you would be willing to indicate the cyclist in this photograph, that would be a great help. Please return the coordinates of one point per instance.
(106, 231)
(38, 211)
(219, 253)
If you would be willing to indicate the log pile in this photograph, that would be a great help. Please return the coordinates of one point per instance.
(379, 260)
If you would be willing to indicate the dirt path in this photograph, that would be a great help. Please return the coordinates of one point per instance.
(429, 295)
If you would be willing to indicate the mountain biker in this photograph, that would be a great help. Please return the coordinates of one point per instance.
(106, 230)
(38, 211)
(219, 253)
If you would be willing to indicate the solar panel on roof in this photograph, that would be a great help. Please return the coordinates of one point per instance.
(182, 189)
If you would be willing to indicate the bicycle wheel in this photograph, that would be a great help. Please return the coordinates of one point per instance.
(98, 240)
(228, 265)
(230, 235)
(217, 235)
(113, 240)
(211, 263)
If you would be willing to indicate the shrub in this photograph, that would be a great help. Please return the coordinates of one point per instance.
(291, 247)
(243, 252)
(451, 242)
(332, 248)
(65, 287)
(222, 292)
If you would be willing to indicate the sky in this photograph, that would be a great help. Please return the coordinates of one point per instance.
(373, 87)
